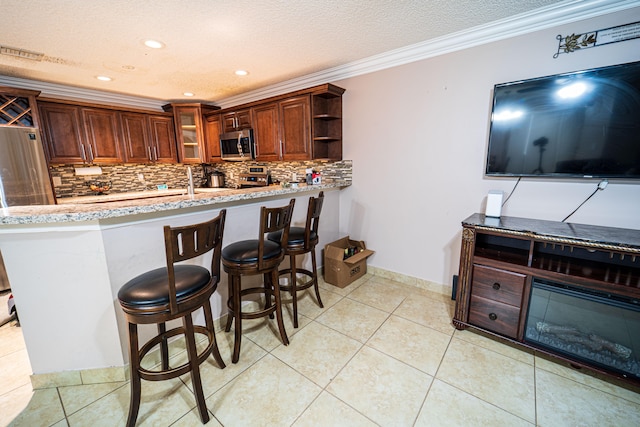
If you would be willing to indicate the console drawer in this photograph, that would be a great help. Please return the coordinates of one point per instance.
(498, 285)
(494, 316)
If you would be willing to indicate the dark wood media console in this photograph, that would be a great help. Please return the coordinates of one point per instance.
(568, 290)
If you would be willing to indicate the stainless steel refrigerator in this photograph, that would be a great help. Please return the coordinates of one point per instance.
(24, 174)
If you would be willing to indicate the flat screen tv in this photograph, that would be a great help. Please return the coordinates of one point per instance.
(582, 124)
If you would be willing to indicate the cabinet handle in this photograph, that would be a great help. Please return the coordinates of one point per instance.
(83, 154)
(496, 286)
(149, 149)
(90, 153)
(493, 316)
(155, 153)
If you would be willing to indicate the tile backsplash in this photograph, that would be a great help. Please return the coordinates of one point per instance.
(139, 177)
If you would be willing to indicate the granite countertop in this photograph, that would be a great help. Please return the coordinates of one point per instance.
(90, 208)
(564, 230)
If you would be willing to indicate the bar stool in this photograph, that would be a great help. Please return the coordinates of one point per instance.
(259, 256)
(172, 292)
(301, 241)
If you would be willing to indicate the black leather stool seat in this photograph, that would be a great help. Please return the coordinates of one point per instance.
(246, 251)
(152, 287)
(296, 236)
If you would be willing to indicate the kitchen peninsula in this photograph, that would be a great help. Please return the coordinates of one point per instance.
(66, 263)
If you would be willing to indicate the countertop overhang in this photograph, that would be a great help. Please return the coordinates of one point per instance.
(82, 211)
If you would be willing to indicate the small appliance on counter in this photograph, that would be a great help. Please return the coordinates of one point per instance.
(212, 178)
(258, 176)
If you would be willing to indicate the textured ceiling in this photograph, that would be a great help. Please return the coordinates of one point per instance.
(207, 40)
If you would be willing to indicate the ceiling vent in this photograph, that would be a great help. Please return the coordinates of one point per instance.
(21, 53)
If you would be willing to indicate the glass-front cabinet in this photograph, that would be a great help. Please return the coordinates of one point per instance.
(190, 131)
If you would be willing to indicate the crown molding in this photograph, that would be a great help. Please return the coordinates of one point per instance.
(58, 91)
(539, 19)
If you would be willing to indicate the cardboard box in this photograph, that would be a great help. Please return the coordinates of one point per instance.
(339, 271)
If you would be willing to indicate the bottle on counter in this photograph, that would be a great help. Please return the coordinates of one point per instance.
(309, 176)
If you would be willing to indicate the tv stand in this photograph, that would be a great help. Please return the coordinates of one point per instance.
(567, 290)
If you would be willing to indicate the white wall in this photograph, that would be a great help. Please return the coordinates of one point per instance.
(417, 135)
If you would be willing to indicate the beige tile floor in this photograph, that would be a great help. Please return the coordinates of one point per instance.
(379, 353)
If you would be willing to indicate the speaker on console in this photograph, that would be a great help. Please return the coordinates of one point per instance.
(494, 204)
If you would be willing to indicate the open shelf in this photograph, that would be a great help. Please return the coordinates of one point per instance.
(503, 249)
(327, 125)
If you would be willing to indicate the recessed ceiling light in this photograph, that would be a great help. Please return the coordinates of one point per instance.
(154, 44)
(188, 94)
(104, 78)
(241, 73)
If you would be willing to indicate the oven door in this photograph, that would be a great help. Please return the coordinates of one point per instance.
(237, 146)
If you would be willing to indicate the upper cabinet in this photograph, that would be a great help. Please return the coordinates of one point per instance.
(189, 130)
(302, 125)
(18, 107)
(266, 131)
(102, 135)
(326, 110)
(75, 134)
(282, 129)
(236, 120)
(295, 129)
(148, 138)
(212, 131)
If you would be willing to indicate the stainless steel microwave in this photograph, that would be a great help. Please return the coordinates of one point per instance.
(238, 146)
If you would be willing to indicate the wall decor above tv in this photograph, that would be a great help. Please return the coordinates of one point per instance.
(584, 124)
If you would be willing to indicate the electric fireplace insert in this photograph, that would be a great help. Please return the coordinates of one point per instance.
(595, 327)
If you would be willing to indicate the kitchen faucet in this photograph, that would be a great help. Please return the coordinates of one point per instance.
(190, 179)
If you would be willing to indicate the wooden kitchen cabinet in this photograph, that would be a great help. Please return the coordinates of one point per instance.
(148, 138)
(75, 134)
(18, 107)
(212, 131)
(62, 131)
(266, 131)
(236, 120)
(295, 131)
(102, 135)
(282, 129)
(326, 111)
(190, 131)
(300, 125)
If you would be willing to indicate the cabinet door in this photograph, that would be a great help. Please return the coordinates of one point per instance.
(212, 131)
(295, 128)
(63, 139)
(236, 120)
(101, 130)
(135, 138)
(163, 139)
(189, 134)
(266, 132)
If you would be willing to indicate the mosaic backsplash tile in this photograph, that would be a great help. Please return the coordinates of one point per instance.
(140, 177)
